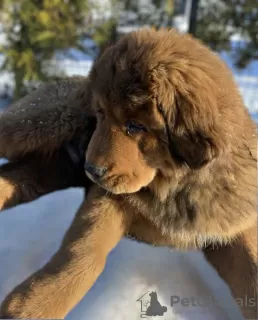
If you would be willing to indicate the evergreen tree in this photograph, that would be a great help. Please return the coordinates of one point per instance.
(218, 20)
(35, 30)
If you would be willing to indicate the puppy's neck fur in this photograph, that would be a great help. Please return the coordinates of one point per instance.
(201, 206)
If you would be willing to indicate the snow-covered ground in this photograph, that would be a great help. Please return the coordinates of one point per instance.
(31, 233)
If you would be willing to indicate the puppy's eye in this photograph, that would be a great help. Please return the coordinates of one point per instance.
(134, 127)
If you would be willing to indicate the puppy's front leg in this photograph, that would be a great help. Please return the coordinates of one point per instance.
(237, 264)
(56, 288)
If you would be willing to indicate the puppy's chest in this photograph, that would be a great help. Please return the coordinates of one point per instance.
(175, 213)
(161, 224)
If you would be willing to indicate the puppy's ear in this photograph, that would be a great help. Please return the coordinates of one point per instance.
(44, 119)
(193, 138)
(189, 100)
(193, 149)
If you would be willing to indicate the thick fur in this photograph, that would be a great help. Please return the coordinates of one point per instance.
(188, 180)
(46, 131)
(38, 128)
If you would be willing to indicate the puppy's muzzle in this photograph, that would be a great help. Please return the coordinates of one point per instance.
(95, 171)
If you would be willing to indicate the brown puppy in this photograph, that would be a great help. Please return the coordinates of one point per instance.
(40, 124)
(174, 156)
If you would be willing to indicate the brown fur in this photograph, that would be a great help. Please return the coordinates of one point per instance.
(27, 179)
(187, 181)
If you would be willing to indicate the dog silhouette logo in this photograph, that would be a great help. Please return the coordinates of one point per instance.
(150, 305)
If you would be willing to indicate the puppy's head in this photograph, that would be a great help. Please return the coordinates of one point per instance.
(156, 98)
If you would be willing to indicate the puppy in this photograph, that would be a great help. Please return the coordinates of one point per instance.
(49, 142)
(172, 161)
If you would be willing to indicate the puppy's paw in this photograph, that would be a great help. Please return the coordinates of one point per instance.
(26, 306)
(12, 306)
(27, 301)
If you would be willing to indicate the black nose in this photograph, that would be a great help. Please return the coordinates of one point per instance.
(96, 172)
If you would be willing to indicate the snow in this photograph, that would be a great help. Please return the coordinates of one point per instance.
(247, 78)
(89, 52)
(128, 28)
(73, 54)
(180, 22)
(31, 233)
(2, 161)
(69, 67)
(251, 70)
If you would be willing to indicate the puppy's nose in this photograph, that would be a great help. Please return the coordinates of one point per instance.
(96, 172)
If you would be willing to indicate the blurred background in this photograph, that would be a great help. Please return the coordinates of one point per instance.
(42, 40)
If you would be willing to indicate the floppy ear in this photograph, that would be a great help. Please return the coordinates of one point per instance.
(45, 119)
(194, 149)
(193, 134)
(188, 104)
